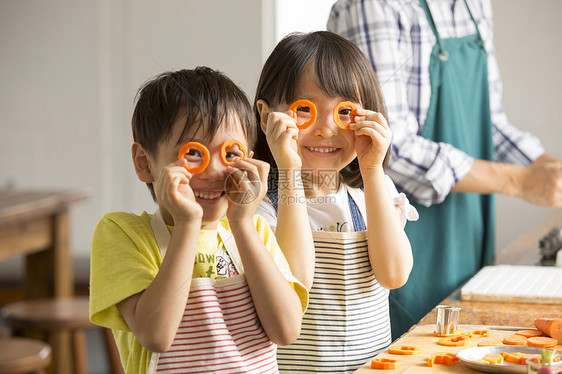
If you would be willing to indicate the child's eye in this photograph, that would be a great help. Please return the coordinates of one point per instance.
(305, 109)
(345, 112)
(193, 153)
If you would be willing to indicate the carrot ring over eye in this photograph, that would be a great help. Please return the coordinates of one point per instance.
(336, 115)
(294, 106)
(230, 143)
(206, 158)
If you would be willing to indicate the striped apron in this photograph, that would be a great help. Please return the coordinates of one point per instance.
(347, 321)
(220, 330)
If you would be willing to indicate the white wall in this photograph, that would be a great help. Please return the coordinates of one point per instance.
(69, 72)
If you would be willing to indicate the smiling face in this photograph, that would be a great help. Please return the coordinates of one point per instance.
(209, 185)
(323, 145)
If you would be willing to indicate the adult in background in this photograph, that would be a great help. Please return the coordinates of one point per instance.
(453, 146)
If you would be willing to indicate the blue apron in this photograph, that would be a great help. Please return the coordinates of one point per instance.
(452, 240)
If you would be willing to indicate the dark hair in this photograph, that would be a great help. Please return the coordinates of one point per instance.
(205, 97)
(342, 70)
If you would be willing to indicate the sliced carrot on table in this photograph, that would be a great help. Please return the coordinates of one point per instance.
(550, 326)
(403, 350)
(454, 341)
(493, 358)
(529, 333)
(443, 358)
(515, 339)
(542, 342)
(488, 343)
(480, 332)
(384, 363)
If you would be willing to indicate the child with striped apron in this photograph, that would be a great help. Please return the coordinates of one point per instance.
(220, 329)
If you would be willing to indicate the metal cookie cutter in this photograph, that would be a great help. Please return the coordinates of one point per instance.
(447, 319)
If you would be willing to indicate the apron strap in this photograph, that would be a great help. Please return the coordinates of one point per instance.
(444, 54)
(356, 198)
(230, 244)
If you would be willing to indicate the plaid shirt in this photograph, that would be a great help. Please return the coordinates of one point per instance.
(396, 37)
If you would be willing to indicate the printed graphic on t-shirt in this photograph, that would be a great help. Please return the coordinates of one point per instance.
(218, 265)
(338, 227)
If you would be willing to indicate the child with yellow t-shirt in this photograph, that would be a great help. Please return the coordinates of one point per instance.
(201, 285)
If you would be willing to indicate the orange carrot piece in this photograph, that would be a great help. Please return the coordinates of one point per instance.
(230, 143)
(529, 333)
(480, 332)
(542, 342)
(304, 103)
(493, 358)
(513, 357)
(550, 326)
(446, 335)
(403, 350)
(384, 363)
(515, 340)
(205, 158)
(454, 341)
(443, 358)
(488, 343)
(336, 115)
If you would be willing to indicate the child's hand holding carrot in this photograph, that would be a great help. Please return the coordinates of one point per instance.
(282, 133)
(372, 138)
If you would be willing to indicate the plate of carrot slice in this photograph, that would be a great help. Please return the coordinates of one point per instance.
(474, 358)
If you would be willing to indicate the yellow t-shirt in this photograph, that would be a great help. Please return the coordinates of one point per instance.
(125, 259)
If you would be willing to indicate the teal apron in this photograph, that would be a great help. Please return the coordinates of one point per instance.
(452, 240)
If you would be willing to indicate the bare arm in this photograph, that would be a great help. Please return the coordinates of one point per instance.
(155, 314)
(390, 252)
(293, 231)
(277, 303)
(539, 183)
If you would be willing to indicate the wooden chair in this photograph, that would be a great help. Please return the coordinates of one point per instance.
(54, 316)
(23, 355)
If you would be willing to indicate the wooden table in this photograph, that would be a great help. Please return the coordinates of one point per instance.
(502, 316)
(35, 224)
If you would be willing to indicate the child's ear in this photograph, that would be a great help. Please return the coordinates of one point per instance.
(142, 163)
(263, 109)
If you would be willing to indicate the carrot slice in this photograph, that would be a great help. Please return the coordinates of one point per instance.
(304, 103)
(480, 332)
(488, 343)
(529, 333)
(513, 357)
(230, 143)
(550, 326)
(336, 114)
(454, 341)
(515, 339)
(205, 158)
(542, 342)
(443, 358)
(493, 358)
(403, 350)
(445, 335)
(384, 363)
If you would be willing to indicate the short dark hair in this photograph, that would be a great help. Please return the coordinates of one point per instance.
(205, 97)
(342, 70)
